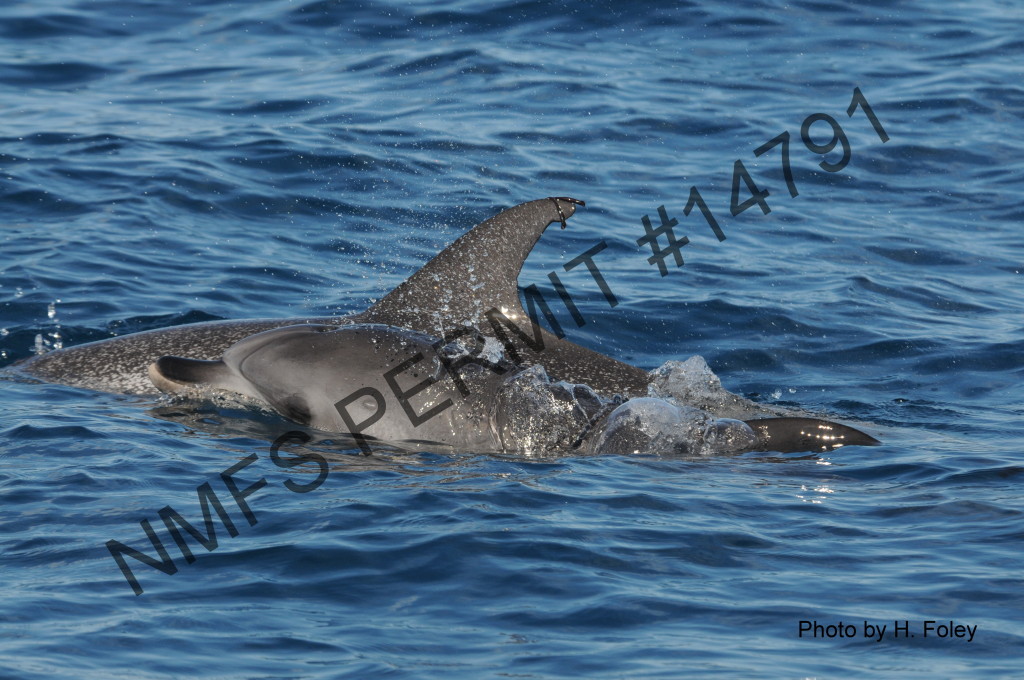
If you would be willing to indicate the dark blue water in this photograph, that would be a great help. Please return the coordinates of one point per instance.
(172, 162)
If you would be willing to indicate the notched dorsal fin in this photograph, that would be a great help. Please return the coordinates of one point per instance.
(477, 273)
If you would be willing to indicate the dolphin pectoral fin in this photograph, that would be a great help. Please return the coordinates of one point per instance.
(293, 407)
(177, 374)
(792, 435)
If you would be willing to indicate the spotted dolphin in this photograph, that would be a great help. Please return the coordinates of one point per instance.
(470, 283)
(470, 287)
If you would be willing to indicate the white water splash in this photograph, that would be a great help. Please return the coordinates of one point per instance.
(693, 383)
(54, 339)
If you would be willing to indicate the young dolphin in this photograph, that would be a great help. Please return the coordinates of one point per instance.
(380, 382)
(472, 284)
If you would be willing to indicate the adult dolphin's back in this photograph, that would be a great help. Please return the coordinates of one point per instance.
(476, 277)
(120, 364)
(457, 289)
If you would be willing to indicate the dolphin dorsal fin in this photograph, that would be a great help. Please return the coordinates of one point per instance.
(174, 374)
(477, 273)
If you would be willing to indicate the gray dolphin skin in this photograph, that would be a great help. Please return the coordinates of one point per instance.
(409, 355)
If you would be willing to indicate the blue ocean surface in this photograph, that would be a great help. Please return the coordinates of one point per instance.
(170, 162)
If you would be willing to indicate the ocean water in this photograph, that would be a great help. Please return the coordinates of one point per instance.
(164, 163)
